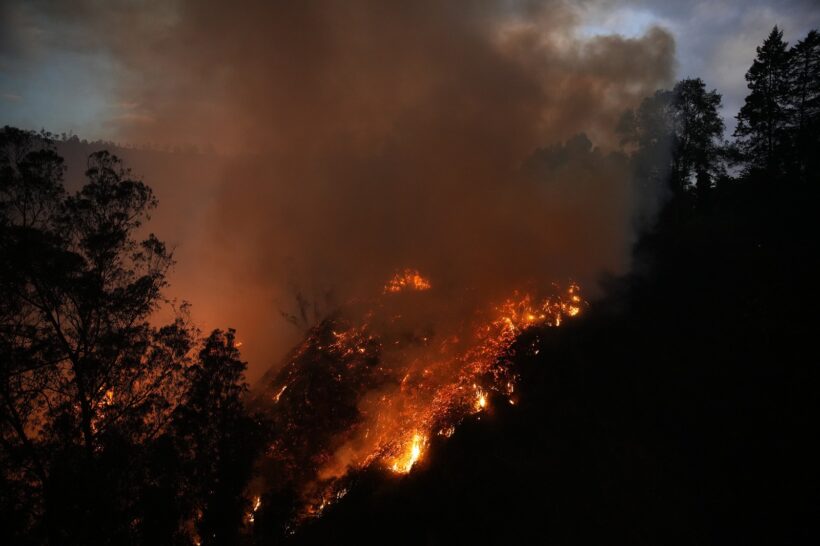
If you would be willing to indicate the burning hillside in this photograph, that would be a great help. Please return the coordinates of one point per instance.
(373, 383)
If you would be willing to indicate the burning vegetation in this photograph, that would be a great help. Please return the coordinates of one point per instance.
(409, 279)
(372, 392)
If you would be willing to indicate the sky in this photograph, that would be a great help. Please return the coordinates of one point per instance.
(55, 75)
(715, 40)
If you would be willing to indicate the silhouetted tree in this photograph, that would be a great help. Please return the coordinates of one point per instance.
(30, 200)
(109, 434)
(649, 132)
(698, 134)
(763, 122)
(218, 440)
(676, 143)
(805, 104)
(83, 371)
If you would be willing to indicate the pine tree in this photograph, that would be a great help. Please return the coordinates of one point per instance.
(805, 104)
(763, 121)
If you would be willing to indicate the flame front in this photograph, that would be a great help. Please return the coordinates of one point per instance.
(413, 452)
(402, 389)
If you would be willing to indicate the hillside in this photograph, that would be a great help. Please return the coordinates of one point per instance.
(680, 409)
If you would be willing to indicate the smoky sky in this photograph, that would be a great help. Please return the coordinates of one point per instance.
(358, 138)
(61, 67)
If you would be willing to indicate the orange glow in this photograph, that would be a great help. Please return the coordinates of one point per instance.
(480, 401)
(257, 502)
(430, 383)
(458, 381)
(278, 395)
(409, 279)
(404, 463)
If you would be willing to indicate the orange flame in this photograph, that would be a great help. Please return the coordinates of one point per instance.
(409, 279)
(434, 396)
(438, 383)
(404, 463)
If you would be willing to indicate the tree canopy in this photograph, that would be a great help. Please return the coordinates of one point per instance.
(93, 392)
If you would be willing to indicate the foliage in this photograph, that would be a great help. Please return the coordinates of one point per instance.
(219, 441)
(805, 105)
(676, 138)
(762, 128)
(97, 403)
(777, 131)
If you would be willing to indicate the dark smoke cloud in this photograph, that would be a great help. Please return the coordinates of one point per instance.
(361, 137)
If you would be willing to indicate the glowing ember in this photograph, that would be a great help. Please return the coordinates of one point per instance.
(409, 279)
(257, 502)
(447, 432)
(279, 394)
(481, 400)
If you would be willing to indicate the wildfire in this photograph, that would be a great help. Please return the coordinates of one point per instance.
(390, 390)
(279, 394)
(257, 502)
(404, 463)
(481, 400)
(409, 279)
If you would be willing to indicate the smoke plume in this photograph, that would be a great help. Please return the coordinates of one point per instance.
(359, 138)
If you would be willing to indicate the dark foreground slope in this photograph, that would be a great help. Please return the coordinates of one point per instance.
(681, 409)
